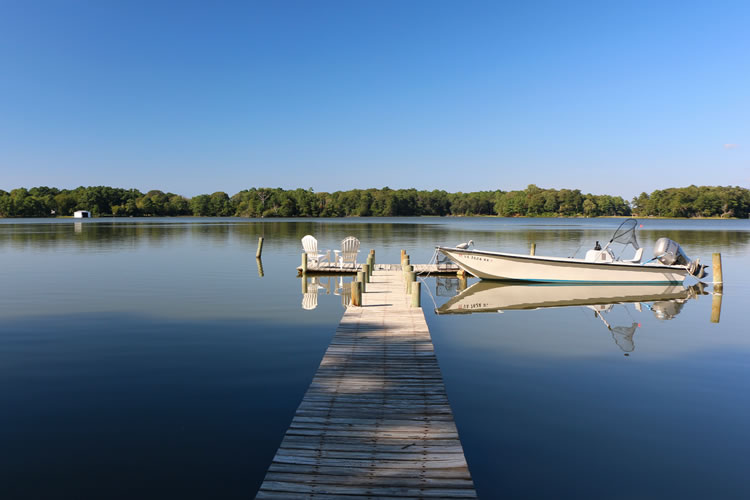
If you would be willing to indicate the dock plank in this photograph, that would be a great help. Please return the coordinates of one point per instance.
(376, 421)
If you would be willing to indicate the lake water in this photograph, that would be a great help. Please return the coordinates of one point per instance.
(148, 358)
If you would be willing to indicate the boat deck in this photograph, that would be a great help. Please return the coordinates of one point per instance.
(375, 421)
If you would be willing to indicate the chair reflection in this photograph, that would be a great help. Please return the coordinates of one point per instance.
(313, 285)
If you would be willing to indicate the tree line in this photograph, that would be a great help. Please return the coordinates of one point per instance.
(692, 201)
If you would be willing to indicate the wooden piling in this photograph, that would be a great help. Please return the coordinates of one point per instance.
(416, 294)
(304, 284)
(260, 248)
(533, 249)
(361, 279)
(260, 266)
(356, 293)
(367, 270)
(304, 263)
(718, 275)
(410, 278)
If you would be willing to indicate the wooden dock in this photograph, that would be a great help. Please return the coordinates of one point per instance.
(375, 422)
(331, 269)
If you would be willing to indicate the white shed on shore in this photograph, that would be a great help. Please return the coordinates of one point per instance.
(81, 214)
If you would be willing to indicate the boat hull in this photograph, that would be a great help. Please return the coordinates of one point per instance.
(516, 267)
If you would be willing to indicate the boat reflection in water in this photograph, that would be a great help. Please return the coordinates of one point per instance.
(665, 301)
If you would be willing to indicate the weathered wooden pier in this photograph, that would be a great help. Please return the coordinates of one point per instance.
(330, 269)
(375, 421)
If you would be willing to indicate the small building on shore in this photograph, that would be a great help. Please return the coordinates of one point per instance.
(81, 214)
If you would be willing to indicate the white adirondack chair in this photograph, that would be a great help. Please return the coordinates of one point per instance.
(310, 244)
(348, 252)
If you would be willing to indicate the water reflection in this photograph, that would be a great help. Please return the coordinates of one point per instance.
(313, 286)
(664, 301)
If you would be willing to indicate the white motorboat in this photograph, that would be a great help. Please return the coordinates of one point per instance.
(670, 264)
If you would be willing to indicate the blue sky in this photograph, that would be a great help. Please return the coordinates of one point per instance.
(195, 97)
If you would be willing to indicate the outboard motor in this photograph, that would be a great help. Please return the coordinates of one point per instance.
(670, 253)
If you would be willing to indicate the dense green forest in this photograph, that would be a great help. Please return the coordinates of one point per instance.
(692, 201)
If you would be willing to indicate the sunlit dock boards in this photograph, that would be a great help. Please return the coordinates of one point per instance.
(375, 421)
(326, 268)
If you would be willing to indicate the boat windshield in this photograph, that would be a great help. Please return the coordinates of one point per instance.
(625, 233)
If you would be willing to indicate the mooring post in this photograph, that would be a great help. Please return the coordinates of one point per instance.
(405, 269)
(405, 261)
(367, 271)
(370, 266)
(416, 294)
(304, 262)
(356, 294)
(411, 277)
(260, 247)
(304, 284)
(533, 249)
(718, 275)
(361, 279)
(718, 278)
(372, 254)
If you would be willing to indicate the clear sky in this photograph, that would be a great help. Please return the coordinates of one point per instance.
(613, 97)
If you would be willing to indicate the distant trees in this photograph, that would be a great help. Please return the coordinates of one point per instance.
(692, 201)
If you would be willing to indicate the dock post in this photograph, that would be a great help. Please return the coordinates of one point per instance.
(416, 294)
(361, 279)
(406, 268)
(304, 262)
(370, 265)
(304, 284)
(356, 294)
(411, 277)
(718, 275)
(260, 248)
(366, 269)
(372, 254)
(260, 266)
(533, 249)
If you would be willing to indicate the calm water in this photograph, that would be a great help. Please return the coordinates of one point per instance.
(149, 359)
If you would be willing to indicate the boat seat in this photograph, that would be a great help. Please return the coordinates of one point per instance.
(636, 258)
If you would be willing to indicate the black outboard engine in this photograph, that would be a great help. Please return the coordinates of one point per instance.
(670, 253)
